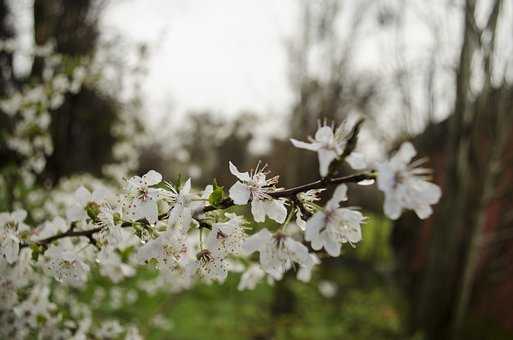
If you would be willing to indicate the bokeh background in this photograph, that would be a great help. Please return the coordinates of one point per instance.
(185, 86)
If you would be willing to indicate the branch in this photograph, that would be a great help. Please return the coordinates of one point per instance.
(70, 233)
(322, 183)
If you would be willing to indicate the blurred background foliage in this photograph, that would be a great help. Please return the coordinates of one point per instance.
(447, 278)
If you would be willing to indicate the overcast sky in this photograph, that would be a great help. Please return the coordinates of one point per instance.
(230, 55)
(222, 55)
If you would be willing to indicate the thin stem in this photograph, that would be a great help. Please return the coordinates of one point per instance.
(322, 183)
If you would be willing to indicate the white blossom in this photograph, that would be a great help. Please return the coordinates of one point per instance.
(184, 204)
(333, 226)
(305, 272)
(142, 198)
(211, 266)
(251, 277)
(278, 252)
(168, 250)
(49, 228)
(117, 237)
(11, 227)
(227, 237)
(307, 200)
(112, 267)
(113, 235)
(405, 184)
(256, 187)
(66, 265)
(83, 199)
(330, 143)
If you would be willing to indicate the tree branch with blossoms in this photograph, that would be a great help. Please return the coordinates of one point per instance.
(198, 236)
(225, 204)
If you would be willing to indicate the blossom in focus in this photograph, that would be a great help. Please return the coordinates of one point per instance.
(405, 184)
(184, 204)
(278, 252)
(84, 200)
(330, 143)
(142, 198)
(227, 237)
(113, 235)
(210, 266)
(168, 251)
(308, 206)
(333, 226)
(117, 237)
(256, 187)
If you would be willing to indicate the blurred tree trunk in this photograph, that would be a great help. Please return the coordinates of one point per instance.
(7, 83)
(6, 59)
(479, 129)
(72, 25)
(81, 127)
(437, 291)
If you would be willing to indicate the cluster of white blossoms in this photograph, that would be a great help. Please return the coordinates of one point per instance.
(190, 236)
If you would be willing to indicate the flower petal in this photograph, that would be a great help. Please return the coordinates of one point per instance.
(392, 206)
(357, 161)
(423, 211)
(303, 145)
(339, 195)
(243, 176)
(405, 154)
(324, 134)
(312, 229)
(276, 210)
(76, 213)
(325, 159)
(152, 177)
(147, 209)
(256, 241)
(82, 196)
(332, 247)
(100, 194)
(258, 210)
(299, 251)
(10, 248)
(186, 188)
(239, 193)
(19, 215)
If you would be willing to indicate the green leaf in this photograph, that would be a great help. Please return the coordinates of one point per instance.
(217, 196)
